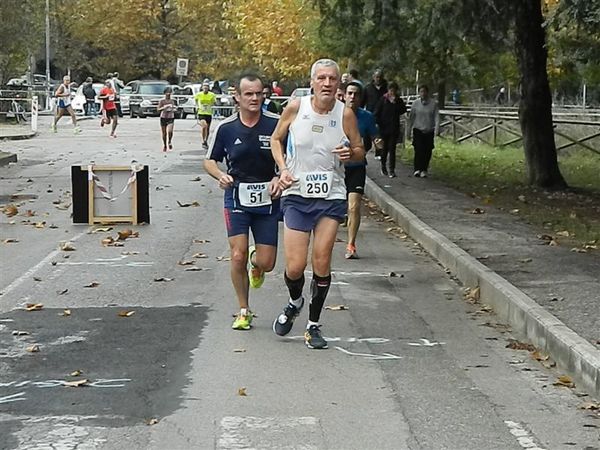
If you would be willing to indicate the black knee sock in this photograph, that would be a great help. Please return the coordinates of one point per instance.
(319, 288)
(294, 286)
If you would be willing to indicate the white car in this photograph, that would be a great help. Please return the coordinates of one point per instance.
(78, 101)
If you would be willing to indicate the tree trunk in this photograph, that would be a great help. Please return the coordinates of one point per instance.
(441, 94)
(535, 107)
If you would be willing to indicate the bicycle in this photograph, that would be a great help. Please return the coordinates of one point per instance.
(17, 111)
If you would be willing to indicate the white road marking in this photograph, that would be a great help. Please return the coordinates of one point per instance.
(426, 343)
(249, 432)
(27, 275)
(523, 437)
(374, 340)
(13, 398)
(383, 356)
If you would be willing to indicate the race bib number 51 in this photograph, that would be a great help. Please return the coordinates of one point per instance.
(315, 184)
(254, 194)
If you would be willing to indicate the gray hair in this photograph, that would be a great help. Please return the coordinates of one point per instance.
(324, 62)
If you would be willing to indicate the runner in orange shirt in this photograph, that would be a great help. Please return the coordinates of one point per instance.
(109, 107)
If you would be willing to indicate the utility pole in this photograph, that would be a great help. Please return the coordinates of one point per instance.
(48, 53)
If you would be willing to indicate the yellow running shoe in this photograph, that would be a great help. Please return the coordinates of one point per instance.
(242, 322)
(255, 275)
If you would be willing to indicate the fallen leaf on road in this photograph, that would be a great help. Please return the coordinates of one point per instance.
(37, 279)
(10, 210)
(223, 258)
(590, 406)
(34, 306)
(196, 179)
(545, 237)
(336, 307)
(239, 350)
(186, 263)
(20, 333)
(199, 255)
(242, 392)
(101, 230)
(163, 279)
(53, 227)
(125, 234)
(39, 225)
(63, 292)
(66, 247)
(10, 241)
(129, 253)
(548, 364)
(514, 211)
(107, 241)
(526, 260)
(539, 356)
(579, 250)
(66, 312)
(201, 241)
(472, 294)
(29, 213)
(517, 345)
(33, 348)
(126, 313)
(194, 269)
(564, 380)
(76, 373)
(93, 284)
(478, 211)
(152, 421)
(395, 275)
(76, 383)
(185, 205)
(563, 233)
(553, 243)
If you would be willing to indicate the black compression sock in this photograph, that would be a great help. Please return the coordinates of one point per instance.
(294, 286)
(319, 288)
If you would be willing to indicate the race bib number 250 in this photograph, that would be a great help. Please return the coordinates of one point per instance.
(315, 184)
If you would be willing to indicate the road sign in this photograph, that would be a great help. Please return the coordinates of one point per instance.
(182, 66)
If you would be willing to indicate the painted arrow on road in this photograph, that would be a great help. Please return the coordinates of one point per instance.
(383, 356)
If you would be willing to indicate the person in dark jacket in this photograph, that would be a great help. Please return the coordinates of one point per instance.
(90, 97)
(374, 91)
(388, 111)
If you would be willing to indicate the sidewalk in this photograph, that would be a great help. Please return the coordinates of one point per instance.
(564, 284)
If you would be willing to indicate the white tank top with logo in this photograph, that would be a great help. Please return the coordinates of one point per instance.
(312, 137)
(65, 101)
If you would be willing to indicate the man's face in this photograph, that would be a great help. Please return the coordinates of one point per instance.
(205, 88)
(66, 81)
(250, 95)
(325, 82)
(423, 93)
(377, 78)
(266, 92)
(392, 92)
(352, 97)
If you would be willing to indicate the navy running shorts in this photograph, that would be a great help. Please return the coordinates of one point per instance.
(265, 227)
(303, 214)
(355, 179)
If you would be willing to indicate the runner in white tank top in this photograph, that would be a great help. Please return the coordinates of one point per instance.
(309, 156)
(63, 94)
(322, 134)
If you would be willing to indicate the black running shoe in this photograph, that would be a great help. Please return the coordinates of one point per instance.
(284, 322)
(313, 338)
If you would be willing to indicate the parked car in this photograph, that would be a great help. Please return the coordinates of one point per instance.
(124, 96)
(300, 92)
(145, 96)
(78, 100)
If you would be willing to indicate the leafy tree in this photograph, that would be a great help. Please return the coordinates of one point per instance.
(21, 34)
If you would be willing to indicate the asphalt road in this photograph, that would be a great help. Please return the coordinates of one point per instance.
(411, 364)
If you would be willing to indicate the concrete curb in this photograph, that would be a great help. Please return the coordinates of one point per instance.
(570, 351)
(6, 158)
(18, 137)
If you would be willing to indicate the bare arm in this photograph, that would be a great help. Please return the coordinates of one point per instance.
(225, 180)
(278, 140)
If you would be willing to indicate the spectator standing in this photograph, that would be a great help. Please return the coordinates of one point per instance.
(501, 96)
(388, 111)
(277, 89)
(90, 97)
(424, 122)
(117, 85)
(372, 94)
(268, 104)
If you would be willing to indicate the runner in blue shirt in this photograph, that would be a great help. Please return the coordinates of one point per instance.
(356, 172)
(252, 190)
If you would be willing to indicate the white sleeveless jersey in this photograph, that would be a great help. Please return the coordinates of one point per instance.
(309, 156)
(65, 101)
